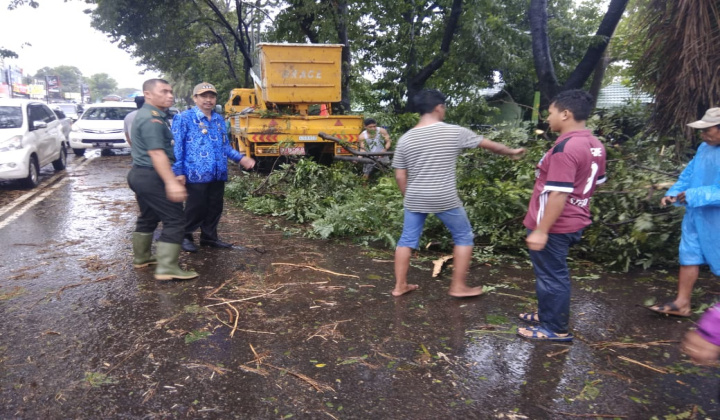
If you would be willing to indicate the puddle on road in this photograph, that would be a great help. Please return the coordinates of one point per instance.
(85, 335)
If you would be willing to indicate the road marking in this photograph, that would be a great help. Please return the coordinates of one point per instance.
(37, 199)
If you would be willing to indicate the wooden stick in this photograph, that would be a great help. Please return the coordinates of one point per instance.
(627, 359)
(318, 269)
(320, 387)
(242, 300)
(237, 318)
(215, 290)
(558, 353)
(608, 344)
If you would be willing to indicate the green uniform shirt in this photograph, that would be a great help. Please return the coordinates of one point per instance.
(150, 131)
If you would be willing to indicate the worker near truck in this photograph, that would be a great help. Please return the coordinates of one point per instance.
(202, 150)
(425, 161)
(373, 139)
(158, 191)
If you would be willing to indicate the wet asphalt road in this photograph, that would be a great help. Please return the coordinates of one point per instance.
(83, 335)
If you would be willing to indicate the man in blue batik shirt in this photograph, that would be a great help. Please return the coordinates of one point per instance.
(202, 149)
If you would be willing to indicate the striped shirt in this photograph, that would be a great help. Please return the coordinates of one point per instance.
(429, 154)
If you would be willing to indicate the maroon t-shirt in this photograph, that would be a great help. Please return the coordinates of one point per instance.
(574, 165)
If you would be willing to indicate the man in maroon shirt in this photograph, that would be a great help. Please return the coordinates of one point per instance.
(559, 210)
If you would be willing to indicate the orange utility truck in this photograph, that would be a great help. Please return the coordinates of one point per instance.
(291, 104)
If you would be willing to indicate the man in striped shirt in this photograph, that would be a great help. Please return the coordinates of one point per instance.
(425, 160)
(559, 210)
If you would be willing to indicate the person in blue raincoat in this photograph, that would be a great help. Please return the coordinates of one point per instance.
(698, 189)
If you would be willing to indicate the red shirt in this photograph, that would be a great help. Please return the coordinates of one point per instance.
(574, 165)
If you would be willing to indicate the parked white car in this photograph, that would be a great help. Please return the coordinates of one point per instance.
(101, 126)
(30, 138)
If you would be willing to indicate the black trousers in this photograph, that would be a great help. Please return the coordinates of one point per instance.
(149, 191)
(203, 209)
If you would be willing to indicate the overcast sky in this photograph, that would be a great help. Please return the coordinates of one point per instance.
(60, 34)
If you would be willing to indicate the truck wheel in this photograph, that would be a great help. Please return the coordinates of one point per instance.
(60, 163)
(79, 152)
(33, 178)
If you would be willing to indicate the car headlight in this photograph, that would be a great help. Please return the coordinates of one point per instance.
(76, 128)
(13, 143)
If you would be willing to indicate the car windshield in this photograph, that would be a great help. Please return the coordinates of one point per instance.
(10, 117)
(106, 113)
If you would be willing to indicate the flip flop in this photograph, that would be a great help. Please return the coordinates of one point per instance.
(548, 335)
(668, 309)
(531, 317)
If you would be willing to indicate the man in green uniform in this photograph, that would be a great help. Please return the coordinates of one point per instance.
(159, 192)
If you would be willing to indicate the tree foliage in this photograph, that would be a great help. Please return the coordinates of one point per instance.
(70, 77)
(188, 40)
(629, 227)
(101, 84)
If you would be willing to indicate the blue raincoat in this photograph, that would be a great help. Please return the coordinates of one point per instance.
(700, 240)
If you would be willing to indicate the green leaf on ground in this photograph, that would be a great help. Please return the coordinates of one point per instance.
(194, 336)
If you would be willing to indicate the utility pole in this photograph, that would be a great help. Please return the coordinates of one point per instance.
(47, 91)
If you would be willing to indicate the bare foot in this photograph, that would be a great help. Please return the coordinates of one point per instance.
(407, 289)
(466, 292)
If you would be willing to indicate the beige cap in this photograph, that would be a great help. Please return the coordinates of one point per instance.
(203, 87)
(711, 118)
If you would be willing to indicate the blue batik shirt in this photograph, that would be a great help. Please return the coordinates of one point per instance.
(202, 147)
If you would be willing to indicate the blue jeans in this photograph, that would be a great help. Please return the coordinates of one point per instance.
(455, 220)
(552, 280)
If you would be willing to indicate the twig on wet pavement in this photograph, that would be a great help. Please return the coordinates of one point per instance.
(217, 289)
(627, 359)
(70, 286)
(150, 393)
(319, 386)
(608, 344)
(242, 300)
(216, 369)
(240, 329)
(557, 353)
(318, 269)
(237, 318)
(326, 330)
